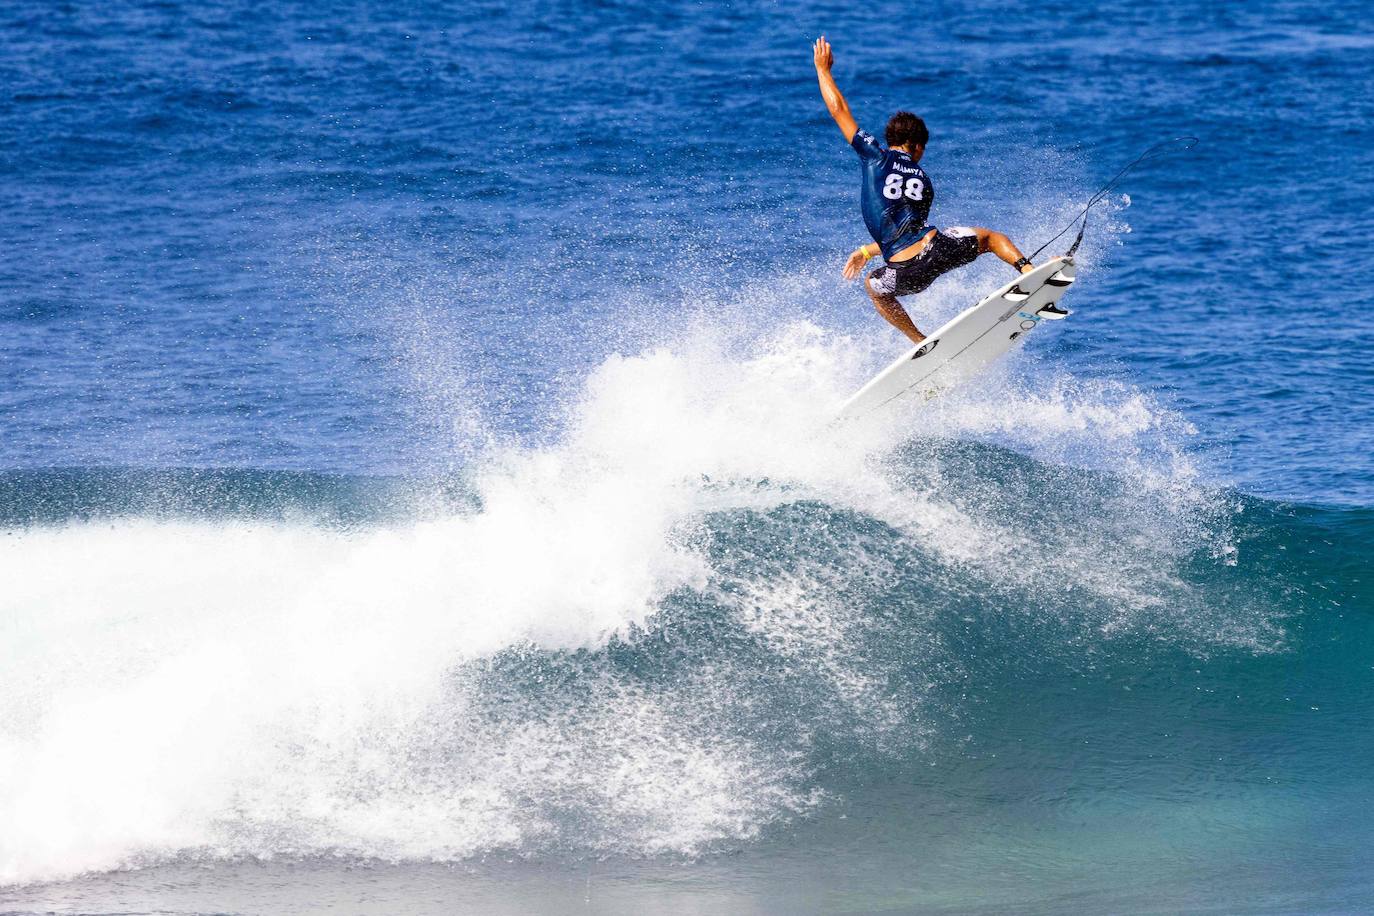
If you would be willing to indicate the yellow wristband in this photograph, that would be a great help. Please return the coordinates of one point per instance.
(864, 249)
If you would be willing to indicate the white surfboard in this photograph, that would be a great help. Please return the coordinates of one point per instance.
(968, 342)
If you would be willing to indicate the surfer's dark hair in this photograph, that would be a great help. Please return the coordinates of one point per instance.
(905, 129)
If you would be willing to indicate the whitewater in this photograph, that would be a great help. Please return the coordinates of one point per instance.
(594, 645)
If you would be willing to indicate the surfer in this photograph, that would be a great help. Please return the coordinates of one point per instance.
(896, 200)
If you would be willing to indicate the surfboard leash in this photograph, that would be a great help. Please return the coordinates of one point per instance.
(1159, 150)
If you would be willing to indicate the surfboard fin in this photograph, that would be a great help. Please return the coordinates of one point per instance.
(1052, 312)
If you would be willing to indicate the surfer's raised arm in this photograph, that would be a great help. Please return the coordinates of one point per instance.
(834, 101)
(895, 199)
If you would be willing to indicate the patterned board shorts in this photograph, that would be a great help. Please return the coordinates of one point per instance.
(950, 248)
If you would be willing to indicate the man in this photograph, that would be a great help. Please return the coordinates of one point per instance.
(896, 200)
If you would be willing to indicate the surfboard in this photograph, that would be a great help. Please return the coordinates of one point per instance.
(967, 343)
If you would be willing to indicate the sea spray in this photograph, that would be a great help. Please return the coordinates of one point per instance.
(647, 637)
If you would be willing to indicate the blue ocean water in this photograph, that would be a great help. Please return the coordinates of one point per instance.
(412, 499)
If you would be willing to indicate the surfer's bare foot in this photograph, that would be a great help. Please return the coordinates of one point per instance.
(1027, 268)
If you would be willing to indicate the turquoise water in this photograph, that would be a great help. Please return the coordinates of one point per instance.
(412, 499)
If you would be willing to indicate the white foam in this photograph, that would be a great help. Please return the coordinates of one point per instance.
(259, 689)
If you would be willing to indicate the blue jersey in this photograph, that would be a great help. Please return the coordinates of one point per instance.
(897, 195)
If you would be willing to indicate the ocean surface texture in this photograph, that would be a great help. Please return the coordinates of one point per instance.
(415, 494)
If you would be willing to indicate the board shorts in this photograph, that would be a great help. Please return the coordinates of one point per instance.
(948, 249)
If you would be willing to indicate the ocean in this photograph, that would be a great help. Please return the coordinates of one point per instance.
(416, 494)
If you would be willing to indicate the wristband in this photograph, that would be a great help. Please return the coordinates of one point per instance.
(864, 249)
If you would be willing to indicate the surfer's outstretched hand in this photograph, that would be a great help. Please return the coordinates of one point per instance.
(820, 52)
(855, 265)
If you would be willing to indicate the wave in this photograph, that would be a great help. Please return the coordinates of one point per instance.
(679, 624)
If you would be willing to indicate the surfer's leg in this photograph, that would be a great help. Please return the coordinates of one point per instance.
(893, 313)
(1001, 246)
